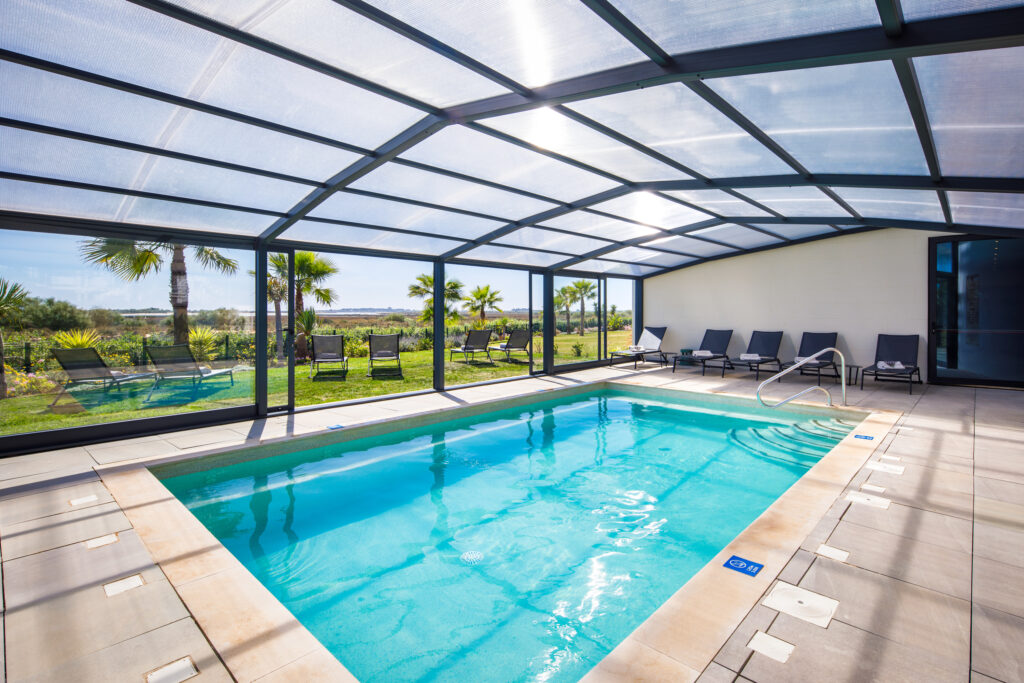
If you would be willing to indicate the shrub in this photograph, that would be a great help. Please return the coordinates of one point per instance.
(357, 348)
(203, 341)
(22, 384)
(105, 318)
(76, 339)
(50, 314)
(577, 349)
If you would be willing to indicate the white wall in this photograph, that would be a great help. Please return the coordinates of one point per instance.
(857, 285)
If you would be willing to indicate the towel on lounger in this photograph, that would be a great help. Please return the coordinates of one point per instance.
(799, 359)
(702, 353)
(750, 356)
(890, 365)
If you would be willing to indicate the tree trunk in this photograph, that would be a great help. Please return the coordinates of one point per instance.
(3, 370)
(299, 306)
(179, 295)
(277, 330)
(583, 315)
(568, 322)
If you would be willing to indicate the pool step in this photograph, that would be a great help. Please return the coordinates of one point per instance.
(803, 443)
(780, 438)
(750, 443)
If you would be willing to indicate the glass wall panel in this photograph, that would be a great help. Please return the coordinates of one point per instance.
(280, 332)
(487, 329)
(105, 327)
(619, 314)
(537, 320)
(578, 320)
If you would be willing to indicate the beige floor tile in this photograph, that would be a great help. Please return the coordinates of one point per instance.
(316, 666)
(940, 569)
(204, 437)
(997, 489)
(998, 585)
(735, 653)
(716, 673)
(927, 491)
(997, 644)
(1002, 543)
(54, 531)
(133, 451)
(920, 525)
(130, 660)
(51, 502)
(634, 661)
(64, 460)
(896, 610)
(37, 483)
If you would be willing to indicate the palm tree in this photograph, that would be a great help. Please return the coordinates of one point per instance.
(131, 260)
(423, 288)
(585, 289)
(12, 296)
(565, 297)
(482, 298)
(311, 270)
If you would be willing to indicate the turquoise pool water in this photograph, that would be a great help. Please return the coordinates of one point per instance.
(519, 545)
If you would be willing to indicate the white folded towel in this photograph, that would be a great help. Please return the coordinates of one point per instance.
(890, 365)
(750, 356)
(800, 358)
(636, 348)
(702, 353)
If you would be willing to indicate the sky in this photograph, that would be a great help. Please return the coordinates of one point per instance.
(52, 266)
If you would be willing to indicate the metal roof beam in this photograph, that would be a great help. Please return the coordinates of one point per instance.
(892, 182)
(891, 14)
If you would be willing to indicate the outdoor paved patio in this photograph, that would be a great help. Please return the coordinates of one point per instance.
(932, 588)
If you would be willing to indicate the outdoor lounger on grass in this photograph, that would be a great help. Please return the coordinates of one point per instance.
(649, 344)
(476, 342)
(177, 362)
(763, 349)
(895, 360)
(810, 344)
(383, 347)
(85, 366)
(327, 348)
(714, 347)
(518, 340)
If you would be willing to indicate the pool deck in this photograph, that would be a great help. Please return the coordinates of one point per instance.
(928, 573)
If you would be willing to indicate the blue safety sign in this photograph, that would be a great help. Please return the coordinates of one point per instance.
(861, 436)
(738, 564)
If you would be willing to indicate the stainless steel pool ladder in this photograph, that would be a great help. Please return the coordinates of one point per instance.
(791, 368)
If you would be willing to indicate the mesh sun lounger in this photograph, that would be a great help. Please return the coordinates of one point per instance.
(327, 348)
(177, 362)
(85, 366)
(383, 347)
(890, 350)
(650, 345)
(476, 342)
(518, 340)
(717, 343)
(810, 344)
(764, 345)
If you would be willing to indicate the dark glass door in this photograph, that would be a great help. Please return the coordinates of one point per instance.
(975, 310)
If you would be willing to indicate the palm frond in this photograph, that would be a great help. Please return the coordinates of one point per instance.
(324, 295)
(210, 258)
(12, 295)
(128, 259)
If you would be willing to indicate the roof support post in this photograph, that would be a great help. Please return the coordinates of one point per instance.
(549, 322)
(439, 323)
(260, 320)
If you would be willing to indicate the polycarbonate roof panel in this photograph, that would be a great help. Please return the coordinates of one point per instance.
(345, 206)
(128, 42)
(975, 102)
(651, 209)
(337, 36)
(911, 205)
(38, 154)
(587, 223)
(987, 208)
(550, 130)
(691, 26)
(796, 201)
(37, 96)
(412, 183)
(850, 118)
(534, 42)
(914, 10)
(737, 236)
(460, 149)
(673, 120)
(717, 201)
(521, 257)
(613, 268)
(549, 239)
(366, 238)
(691, 246)
(39, 198)
(647, 257)
(795, 231)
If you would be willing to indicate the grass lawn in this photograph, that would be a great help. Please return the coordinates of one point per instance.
(91, 405)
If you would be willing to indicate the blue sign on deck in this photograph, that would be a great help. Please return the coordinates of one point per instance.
(738, 564)
(336, 427)
(861, 436)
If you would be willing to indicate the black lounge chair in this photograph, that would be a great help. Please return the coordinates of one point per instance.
(714, 347)
(518, 340)
(177, 362)
(383, 347)
(763, 349)
(85, 366)
(649, 344)
(810, 344)
(327, 348)
(476, 342)
(897, 354)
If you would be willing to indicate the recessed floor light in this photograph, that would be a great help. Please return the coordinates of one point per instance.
(121, 585)
(83, 500)
(174, 672)
(801, 603)
(890, 458)
(884, 467)
(770, 646)
(872, 488)
(101, 541)
(832, 553)
(865, 499)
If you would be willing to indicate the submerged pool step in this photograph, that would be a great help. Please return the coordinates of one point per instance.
(833, 426)
(751, 442)
(788, 440)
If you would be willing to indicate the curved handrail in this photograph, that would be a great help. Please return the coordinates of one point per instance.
(791, 368)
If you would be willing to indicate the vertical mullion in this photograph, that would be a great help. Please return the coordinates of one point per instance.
(549, 323)
(260, 320)
(439, 322)
(289, 337)
(529, 314)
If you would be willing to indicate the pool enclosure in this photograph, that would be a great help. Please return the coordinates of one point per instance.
(594, 141)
